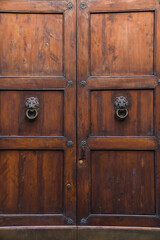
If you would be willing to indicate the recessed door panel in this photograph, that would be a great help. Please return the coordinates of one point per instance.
(116, 181)
(34, 44)
(13, 111)
(122, 43)
(122, 182)
(138, 122)
(34, 182)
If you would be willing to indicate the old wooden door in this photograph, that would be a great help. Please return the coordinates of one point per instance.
(118, 112)
(118, 133)
(37, 76)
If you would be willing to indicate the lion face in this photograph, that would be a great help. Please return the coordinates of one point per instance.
(32, 103)
(121, 103)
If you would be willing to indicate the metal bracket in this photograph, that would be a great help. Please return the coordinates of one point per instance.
(70, 83)
(83, 149)
(70, 143)
(83, 83)
(83, 5)
(70, 5)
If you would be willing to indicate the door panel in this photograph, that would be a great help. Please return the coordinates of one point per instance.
(34, 47)
(118, 134)
(13, 113)
(111, 34)
(118, 124)
(123, 182)
(29, 178)
(139, 122)
(37, 156)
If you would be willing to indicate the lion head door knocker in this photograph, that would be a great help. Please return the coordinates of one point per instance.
(121, 107)
(32, 108)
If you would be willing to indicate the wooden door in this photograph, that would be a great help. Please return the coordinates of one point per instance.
(118, 134)
(37, 76)
(118, 112)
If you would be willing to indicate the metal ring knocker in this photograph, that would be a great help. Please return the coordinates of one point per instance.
(32, 108)
(121, 107)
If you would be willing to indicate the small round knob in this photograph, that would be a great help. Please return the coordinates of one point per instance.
(68, 186)
(80, 161)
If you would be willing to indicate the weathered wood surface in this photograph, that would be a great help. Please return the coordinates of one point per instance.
(37, 59)
(117, 178)
(118, 55)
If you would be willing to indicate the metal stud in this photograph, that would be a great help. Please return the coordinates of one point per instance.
(70, 143)
(83, 221)
(70, 5)
(83, 143)
(70, 221)
(83, 5)
(68, 186)
(83, 83)
(70, 83)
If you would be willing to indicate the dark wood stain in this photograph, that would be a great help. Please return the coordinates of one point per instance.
(123, 53)
(33, 35)
(117, 195)
(140, 121)
(114, 180)
(36, 49)
(118, 181)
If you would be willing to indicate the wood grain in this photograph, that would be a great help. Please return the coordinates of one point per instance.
(122, 44)
(103, 82)
(123, 182)
(33, 182)
(33, 44)
(121, 233)
(14, 122)
(140, 120)
(122, 5)
(33, 6)
(48, 233)
(148, 143)
(37, 59)
(118, 53)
